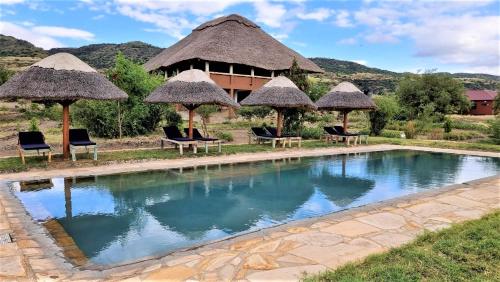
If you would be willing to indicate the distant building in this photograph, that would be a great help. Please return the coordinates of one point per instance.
(482, 101)
(237, 54)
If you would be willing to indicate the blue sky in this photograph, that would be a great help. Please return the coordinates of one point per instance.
(455, 36)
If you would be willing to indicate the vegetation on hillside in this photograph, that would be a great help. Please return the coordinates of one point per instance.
(102, 56)
(13, 47)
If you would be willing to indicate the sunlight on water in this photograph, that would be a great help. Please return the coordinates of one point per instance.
(124, 217)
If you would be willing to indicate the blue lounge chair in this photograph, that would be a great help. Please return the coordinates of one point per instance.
(30, 141)
(79, 138)
(173, 135)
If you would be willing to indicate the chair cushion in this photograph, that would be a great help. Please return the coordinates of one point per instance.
(82, 143)
(31, 137)
(78, 135)
(206, 139)
(182, 139)
(35, 146)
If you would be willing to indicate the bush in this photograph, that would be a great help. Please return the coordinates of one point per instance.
(312, 132)
(249, 113)
(447, 125)
(459, 124)
(495, 130)
(461, 135)
(387, 108)
(436, 134)
(34, 124)
(129, 118)
(391, 133)
(172, 118)
(224, 135)
(410, 130)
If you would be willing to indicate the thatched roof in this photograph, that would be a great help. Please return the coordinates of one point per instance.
(280, 92)
(231, 39)
(345, 96)
(191, 87)
(60, 77)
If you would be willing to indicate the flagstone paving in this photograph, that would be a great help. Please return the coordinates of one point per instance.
(282, 253)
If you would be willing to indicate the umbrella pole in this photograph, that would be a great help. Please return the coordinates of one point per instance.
(345, 120)
(191, 117)
(65, 129)
(279, 123)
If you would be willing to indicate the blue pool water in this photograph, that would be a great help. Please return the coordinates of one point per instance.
(124, 217)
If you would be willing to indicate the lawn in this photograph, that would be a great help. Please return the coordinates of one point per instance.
(13, 164)
(466, 252)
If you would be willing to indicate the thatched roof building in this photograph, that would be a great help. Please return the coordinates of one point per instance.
(237, 53)
(60, 77)
(345, 97)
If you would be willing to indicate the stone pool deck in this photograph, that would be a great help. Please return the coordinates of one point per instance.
(280, 253)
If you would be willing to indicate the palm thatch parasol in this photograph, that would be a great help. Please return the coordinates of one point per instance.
(191, 88)
(280, 93)
(62, 78)
(345, 97)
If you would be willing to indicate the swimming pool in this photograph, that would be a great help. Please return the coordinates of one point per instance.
(120, 218)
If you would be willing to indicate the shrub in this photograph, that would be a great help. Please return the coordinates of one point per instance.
(447, 125)
(459, 124)
(34, 124)
(312, 132)
(462, 135)
(172, 118)
(387, 107)
(249, 113)
(390, 133)
(410, 130)
(436, 134)
(224, 135)
(495, 130)
(131, 117)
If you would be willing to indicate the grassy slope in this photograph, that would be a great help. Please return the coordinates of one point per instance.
(464, 252)
(13, 164)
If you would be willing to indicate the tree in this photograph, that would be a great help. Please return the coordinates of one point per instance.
(387, 108)
(294, 118)
(131, 117)
(445, 95)
(205, 111)
(5, 74)
(496, 104)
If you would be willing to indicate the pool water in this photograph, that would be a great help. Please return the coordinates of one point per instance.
(121, 218)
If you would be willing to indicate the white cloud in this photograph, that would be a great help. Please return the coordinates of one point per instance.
(348, 41)
(361, 62)
(279, 36)
(319, 14)
(342, 19)
(10, 2)
(98, 17)
(43, 36)
(269, 14)
(195, 7)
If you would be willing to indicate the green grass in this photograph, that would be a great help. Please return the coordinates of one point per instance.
(464, 252)
(13, 164)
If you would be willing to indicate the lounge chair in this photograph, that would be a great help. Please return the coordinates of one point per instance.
(206, 140)
(79, 138)
(30, 141)
(341, 130)
(290, 137)
(260, 135)
(333, 134)
(173, 135)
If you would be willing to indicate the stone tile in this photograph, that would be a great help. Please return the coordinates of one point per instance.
(316, 238)
(350, 228)
(384, 220)
(469, 214)
(278, 234)
(480, 194)
(286, 274)
(320, 224)
(227, 272)
(8, 250)
(266, 247)
(430, 209)
(245, 245)
(211, 264)
(459, 202)
(182, 260)
(288, 245)
(357, 249)
(11, 266)
(42, 264)
(297, 229)
(391, 240)
(292, 259)
(175, 273)
(260, 262)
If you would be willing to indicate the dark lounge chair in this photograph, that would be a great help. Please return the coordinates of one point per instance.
(30, 141)
(273, 131)
(205, 140)
(173, 135)
(79, 138)
(333, 134)
(260, 135)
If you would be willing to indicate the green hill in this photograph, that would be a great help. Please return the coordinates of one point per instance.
(102, 56)
(13, 47)
(348, 67)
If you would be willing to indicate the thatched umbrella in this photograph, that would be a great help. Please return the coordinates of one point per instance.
(191, 88)
(280, 93)
(62, 78)
(345, 97)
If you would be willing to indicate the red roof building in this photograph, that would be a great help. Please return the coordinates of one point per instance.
(482, 101)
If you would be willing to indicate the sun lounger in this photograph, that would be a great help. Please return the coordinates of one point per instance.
(30, 141)
(79, 138)
(333, 134)
(260, 135)
(341, 130)
(205, 140)
(289, 137)
(173, 135)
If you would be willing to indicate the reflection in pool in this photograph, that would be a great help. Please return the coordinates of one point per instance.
(123, 217)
